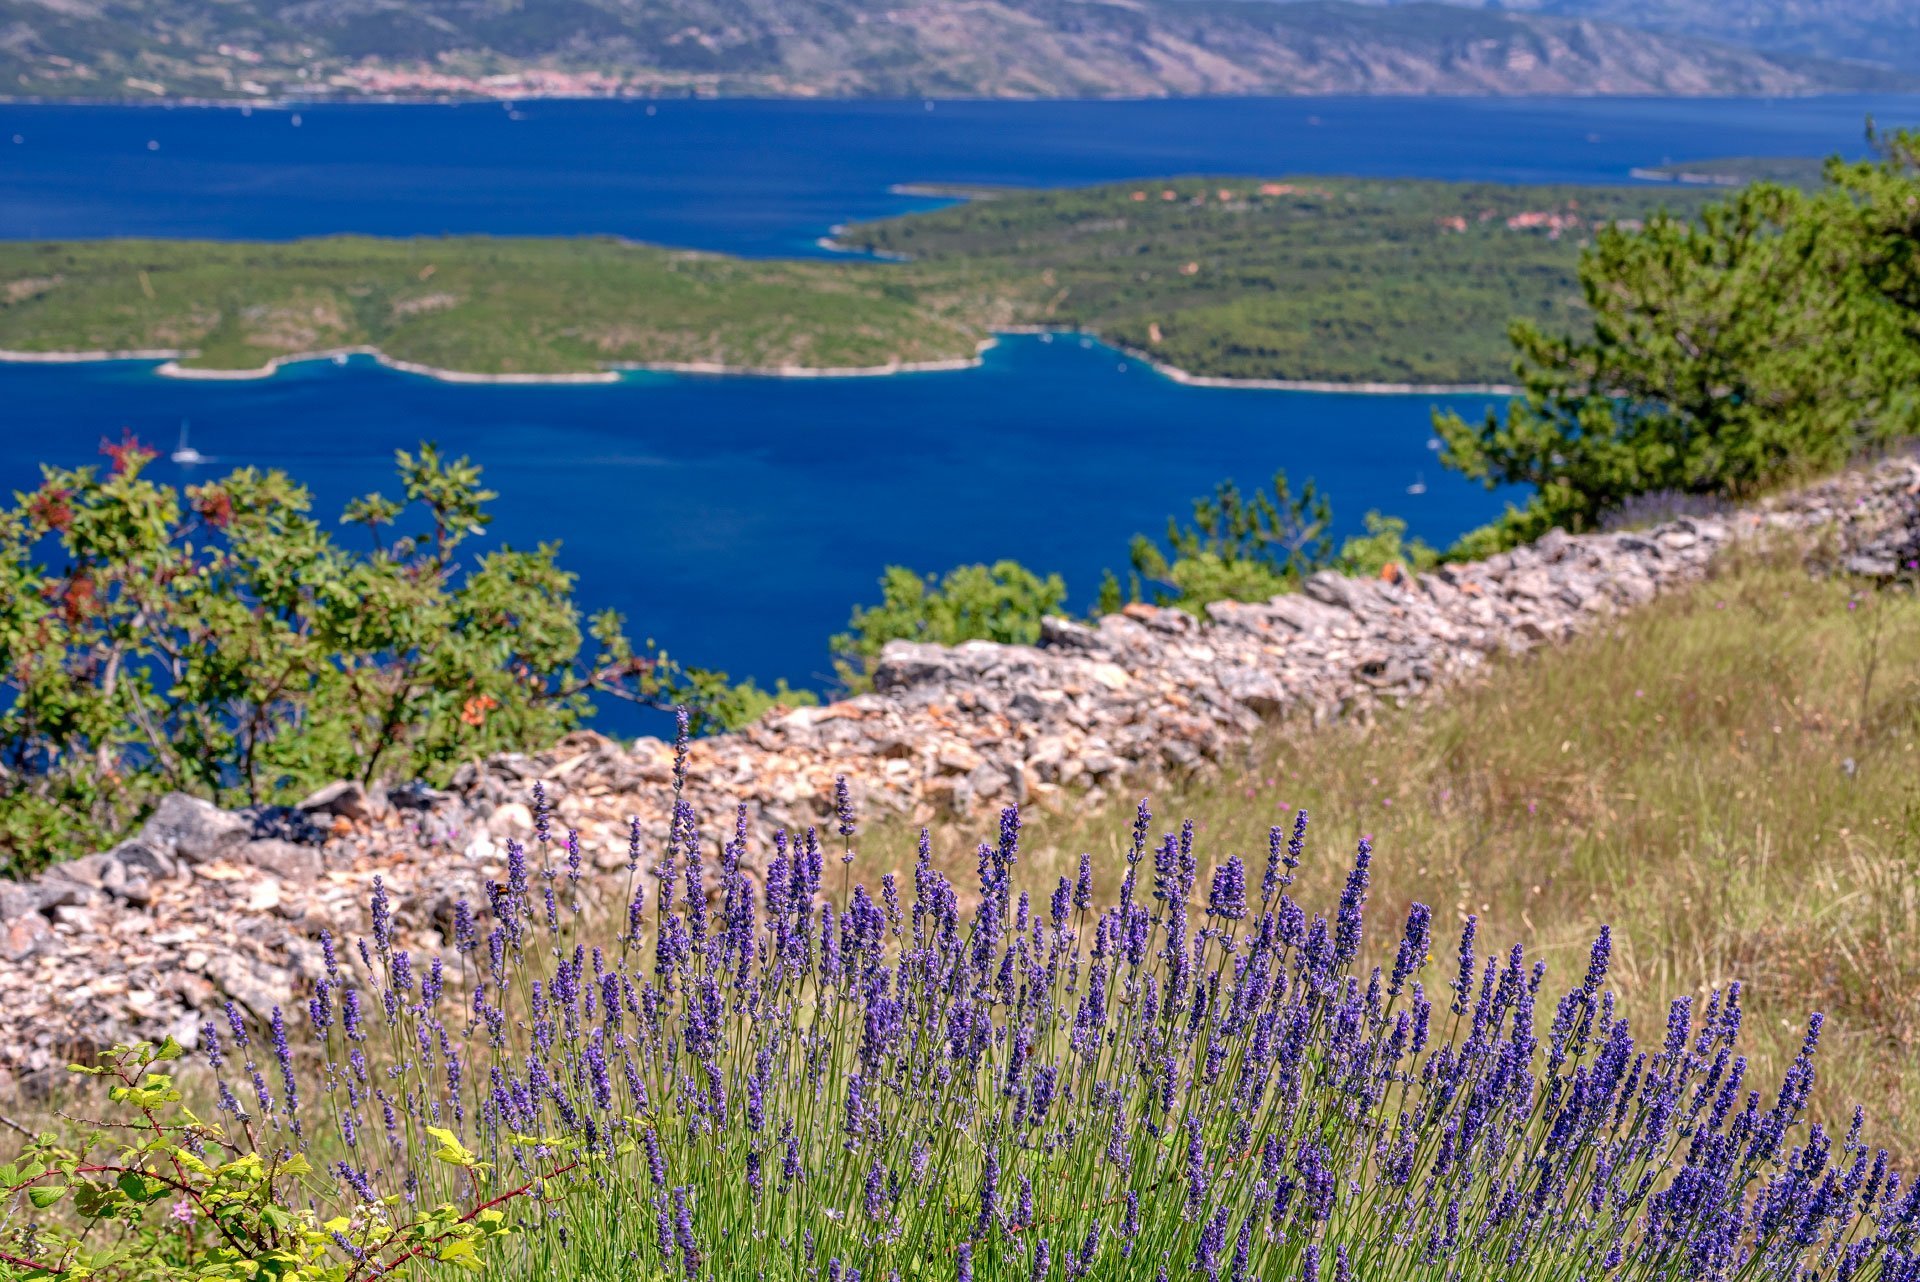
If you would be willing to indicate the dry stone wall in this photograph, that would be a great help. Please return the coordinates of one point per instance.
(204, 906)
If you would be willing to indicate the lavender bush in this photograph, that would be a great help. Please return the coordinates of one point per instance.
(1194, 1078)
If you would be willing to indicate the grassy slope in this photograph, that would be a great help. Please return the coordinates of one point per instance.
(1683, 776)
(475, 304)
(1328, 279)
(1341, 280)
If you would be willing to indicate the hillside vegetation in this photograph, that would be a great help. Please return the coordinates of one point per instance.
(472, 304)
(257, 49)
(1343, 280)
(1320, 279)
(1730, 777)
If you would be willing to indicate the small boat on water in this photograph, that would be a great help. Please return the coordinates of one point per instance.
(184, 453)
(1419, 485)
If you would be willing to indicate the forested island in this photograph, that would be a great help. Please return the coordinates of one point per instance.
(1345, 281)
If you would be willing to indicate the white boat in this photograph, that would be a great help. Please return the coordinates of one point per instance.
(184, 453)
(1419, 485)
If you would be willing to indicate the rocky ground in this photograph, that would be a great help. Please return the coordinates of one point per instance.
(203, 906)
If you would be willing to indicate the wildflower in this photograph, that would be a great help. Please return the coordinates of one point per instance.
(843, 809)
(1414, 944)
(1352, 902)
(1299, 1088)
(382, 913)
(683, 1231)
(1213, 1238)
(1463, 984)
(1228, 898)
(1242, 1251)
(989, 1193)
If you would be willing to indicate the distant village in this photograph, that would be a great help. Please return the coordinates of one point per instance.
(532, 82)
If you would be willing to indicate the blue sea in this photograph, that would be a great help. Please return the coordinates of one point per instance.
(735, 520)
(760, 177)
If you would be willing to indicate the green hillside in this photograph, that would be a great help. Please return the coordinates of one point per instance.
(1341, 280)
(1310, 279)
(470, 304)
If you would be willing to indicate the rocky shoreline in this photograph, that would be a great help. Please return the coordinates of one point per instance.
(610, 373)
(203, 906)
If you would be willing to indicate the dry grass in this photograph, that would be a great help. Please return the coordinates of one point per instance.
(1729, 777)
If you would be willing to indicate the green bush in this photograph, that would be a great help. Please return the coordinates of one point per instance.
(1250, 548)
(1003, 602)
(1385, 543)
(1772, 337)
(156, 1194)
(1239, 547)
(220, 641)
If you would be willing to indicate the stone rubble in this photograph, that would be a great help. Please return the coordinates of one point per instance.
(204, 906)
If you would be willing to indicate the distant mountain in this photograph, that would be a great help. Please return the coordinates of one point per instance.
(1876, 32)
(989, 48)
(1884, 32)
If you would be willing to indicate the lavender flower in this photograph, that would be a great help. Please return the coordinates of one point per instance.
(1228, 898)
(1284, 1107)
(1352, 904)
(843, 808)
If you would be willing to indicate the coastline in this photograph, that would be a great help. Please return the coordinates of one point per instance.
(80, 358)
(613, 371)
(947, 366)
(1186, 379)
(1319, 385)
(173, 369)
(170, 367)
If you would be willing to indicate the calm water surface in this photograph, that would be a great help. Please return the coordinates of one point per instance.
(757, 177)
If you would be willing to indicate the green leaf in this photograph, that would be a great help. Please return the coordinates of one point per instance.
(141, 1188)
(96, 1200)
(451, 1150)
(46, 1195)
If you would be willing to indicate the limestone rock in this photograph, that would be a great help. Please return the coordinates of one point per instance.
(193, 830)
(345, 798)
(295, 863)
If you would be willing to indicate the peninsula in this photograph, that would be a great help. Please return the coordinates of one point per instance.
(1301, 280)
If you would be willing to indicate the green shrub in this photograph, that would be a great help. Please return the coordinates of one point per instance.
(1239, 547)
(154, 1193)
(1003, 602)
(1385, 543)
(220, 641)
(1772, 337)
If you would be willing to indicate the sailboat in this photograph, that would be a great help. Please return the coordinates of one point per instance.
(184, 453)
(1419, 485)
